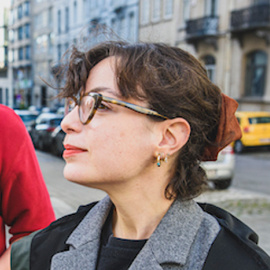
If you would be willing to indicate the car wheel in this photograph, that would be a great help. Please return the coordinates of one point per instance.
(238, 147)
(222, 184)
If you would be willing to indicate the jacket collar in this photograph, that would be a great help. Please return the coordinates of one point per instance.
(170, 242)
(173, 238)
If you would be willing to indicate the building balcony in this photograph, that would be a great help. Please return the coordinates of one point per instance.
(255, 17)
(202, 29)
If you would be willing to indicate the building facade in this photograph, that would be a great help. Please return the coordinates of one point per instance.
(20, 65)
(231, 38)
(42, 52)
(159, 21)
(5, 80)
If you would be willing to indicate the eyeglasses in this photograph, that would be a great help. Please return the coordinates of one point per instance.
(90, 102)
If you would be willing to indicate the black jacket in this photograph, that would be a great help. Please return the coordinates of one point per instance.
(235, 247)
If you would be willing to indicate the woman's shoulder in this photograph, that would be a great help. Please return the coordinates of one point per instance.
(46, 242)
(235, 246)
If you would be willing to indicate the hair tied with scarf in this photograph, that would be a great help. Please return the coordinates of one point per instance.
(228, 129)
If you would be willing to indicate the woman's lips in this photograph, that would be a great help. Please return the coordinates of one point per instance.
(72, 150)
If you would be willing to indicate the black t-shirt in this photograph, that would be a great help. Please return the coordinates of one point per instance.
(116, 253)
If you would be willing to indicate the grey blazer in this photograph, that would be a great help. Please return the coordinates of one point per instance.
(181, 240)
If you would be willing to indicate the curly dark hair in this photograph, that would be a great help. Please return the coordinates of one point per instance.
(173, 83)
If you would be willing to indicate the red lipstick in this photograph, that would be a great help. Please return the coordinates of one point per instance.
(72, 150)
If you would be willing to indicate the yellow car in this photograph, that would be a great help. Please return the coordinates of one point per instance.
(255, 128)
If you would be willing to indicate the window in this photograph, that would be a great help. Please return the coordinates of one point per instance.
(156, 10)
(59, 21)
(21, 53)
(28, 52)
(59, 55)
(20, 11)
(67, 19)
(210, 66)
(259, 120)
(26, 8)
(145, 8)
(256, 63)
(7, 96)
(211, 8)
(168, 9)
(20, 33)
(27, 30)
(75, 12)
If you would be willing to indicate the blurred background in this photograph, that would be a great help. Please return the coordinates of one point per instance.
(231, 38)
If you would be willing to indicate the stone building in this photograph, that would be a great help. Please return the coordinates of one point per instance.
(5, 80)
(231, 38)
(20, 65)
(42, 52)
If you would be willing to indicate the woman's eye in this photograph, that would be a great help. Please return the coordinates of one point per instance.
(102, 106)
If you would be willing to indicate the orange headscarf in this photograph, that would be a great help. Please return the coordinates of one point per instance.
(228, 130)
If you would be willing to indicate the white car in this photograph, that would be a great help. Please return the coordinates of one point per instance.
(221, 171)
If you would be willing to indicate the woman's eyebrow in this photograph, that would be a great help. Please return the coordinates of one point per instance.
(105, 89)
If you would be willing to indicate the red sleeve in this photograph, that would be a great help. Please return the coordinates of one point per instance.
(25, 202)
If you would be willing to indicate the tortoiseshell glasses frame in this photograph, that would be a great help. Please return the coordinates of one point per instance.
(90, 102)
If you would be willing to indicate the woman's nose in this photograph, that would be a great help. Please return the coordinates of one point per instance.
(71, 122)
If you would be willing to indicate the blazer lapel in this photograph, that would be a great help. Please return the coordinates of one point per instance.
(84, 241)
(172, 240)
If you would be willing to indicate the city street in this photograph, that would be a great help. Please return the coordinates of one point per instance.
(248, 198)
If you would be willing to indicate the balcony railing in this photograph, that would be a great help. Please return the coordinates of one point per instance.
(202, 27)
(253, 17)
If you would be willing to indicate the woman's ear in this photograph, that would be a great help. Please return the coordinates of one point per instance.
(175, 135)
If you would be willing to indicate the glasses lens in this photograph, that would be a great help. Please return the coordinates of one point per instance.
(70, 104)
(86, 108)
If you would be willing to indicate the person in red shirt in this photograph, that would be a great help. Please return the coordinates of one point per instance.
(25, 204)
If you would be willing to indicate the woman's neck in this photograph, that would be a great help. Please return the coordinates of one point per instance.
(136, 216)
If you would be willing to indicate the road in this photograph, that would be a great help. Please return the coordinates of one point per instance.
(252, 171)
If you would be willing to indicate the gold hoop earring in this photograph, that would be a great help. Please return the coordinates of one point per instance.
(158, 160)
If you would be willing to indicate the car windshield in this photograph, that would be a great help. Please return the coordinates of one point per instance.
(55, 122)
(259, 120)
(27, 118)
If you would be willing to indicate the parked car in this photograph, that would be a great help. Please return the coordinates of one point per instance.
(27, 116)
(57, 138)
(255, 128)
(42, 129)
(221, 171)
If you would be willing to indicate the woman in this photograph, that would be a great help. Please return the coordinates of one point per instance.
(140, 119)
